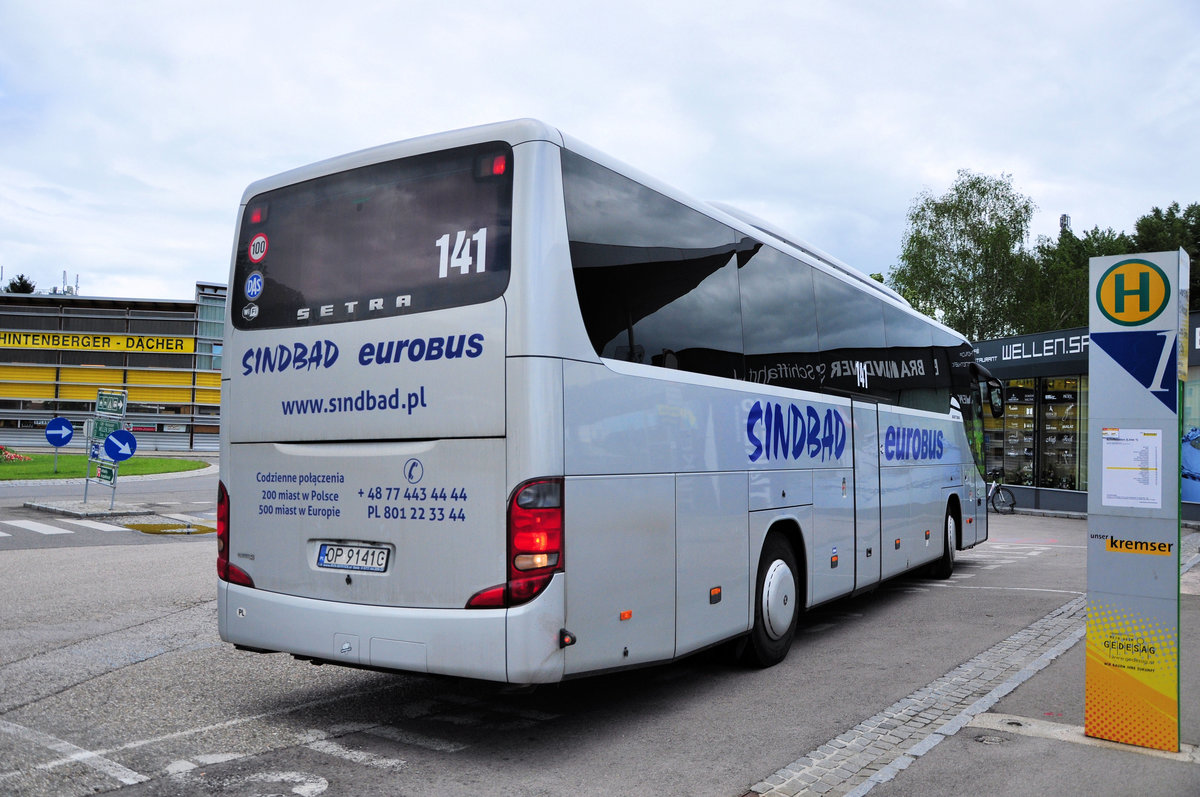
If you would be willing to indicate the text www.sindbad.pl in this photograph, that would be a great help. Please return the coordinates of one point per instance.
(363, 401)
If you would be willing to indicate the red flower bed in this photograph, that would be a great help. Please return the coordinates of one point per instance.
(12, 456)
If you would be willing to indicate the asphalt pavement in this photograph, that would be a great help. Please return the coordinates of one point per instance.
(1011, 722)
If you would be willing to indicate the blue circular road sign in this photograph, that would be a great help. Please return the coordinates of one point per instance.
(59, 432)
(120, 445)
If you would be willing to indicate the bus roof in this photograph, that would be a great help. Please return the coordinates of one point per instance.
(519, 131)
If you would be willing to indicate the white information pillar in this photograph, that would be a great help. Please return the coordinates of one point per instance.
(1137, 364)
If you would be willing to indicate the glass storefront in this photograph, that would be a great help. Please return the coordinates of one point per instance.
(1041, 444)
(1042, 439)
(1062, 452)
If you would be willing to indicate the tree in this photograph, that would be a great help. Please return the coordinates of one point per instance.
(964, 259)
(1057, 298)
(19, 284)
(1167, 231)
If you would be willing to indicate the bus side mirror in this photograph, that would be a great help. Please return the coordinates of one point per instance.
(995, 393)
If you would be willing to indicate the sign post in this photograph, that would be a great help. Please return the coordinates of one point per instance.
(1137, 364)
(59, 432)
(108, 443)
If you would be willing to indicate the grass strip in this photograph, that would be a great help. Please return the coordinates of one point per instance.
(75, 466)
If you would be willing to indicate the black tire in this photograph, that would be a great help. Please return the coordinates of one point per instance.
(777, 604)
(1003, 501)
(944, 567)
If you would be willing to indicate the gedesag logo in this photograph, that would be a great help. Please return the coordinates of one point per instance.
(1133, 292)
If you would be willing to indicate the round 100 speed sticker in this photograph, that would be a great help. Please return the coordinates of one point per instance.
(258, 248)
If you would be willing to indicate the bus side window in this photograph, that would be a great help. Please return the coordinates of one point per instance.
(656, 279)
(780, 323)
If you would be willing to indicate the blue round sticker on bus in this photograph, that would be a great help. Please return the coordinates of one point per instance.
(254, 285)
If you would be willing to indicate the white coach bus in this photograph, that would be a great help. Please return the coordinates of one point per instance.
(496, 405)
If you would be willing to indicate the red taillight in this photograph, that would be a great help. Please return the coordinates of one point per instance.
(535, 545)
(225, 570)
(492, 164)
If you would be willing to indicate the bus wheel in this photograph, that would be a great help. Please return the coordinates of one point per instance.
(777, 604)
(944, 567)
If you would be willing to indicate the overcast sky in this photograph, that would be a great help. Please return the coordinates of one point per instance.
(128, 131)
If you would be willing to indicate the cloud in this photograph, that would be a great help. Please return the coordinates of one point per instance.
(128, 132)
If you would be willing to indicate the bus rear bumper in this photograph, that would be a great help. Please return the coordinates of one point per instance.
(514, 645)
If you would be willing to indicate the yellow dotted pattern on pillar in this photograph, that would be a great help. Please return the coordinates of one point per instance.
(1132, 680)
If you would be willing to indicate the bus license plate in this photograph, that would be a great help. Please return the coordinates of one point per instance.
(352, 557)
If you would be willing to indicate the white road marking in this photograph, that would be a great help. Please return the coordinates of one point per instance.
(213, 727)
(95, 524)
(356, 756)
(306, 785)
(86, 757)
(40, 528)
(191, 519)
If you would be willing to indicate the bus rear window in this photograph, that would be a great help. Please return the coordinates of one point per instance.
(405, 236)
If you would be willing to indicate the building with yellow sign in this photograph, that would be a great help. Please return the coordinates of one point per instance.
(57, 350)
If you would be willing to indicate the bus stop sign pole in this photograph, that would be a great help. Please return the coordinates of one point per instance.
(1137, 364)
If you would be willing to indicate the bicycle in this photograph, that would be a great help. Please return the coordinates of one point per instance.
(1001, 499)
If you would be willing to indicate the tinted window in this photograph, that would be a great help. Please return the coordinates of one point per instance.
(404, 236)
(847, 318)
(779, 321)
(903, 329)
(656, 280)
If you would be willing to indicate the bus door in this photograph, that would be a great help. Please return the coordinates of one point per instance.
(867, 530)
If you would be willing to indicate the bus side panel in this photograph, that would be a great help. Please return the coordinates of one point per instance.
(620, 563)
(831, 559)
(711, 540)
(973, 529)
(534, 443)
(868, 543)
(895, 485)
(929, 511)
(921, 467)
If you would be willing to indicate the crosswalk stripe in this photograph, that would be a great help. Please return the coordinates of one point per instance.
(40, 528)
(2, 534)
(95, 524)
(191, 519)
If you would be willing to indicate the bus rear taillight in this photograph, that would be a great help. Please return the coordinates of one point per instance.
(226, 571)
(535, 545)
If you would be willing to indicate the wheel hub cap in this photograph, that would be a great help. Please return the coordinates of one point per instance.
(779, 599)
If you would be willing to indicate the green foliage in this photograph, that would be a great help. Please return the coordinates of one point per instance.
(19, 284)
(1168, 231)
(964, 259)
(1058, 296)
